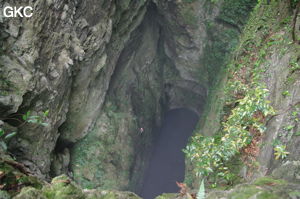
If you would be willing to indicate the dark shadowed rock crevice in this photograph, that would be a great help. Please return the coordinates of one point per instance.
(144, 84)
(167, 162)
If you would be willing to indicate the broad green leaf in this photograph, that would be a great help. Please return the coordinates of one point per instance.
(32, 121)
(44, 124)
(46, 113)
(10, 135)
(1, 132)
(24, 117)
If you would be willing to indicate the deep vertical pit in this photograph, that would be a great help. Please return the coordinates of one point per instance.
(167, 165)
(148, 79)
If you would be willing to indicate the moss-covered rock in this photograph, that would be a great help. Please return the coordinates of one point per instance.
(167, 196)
(262, 188)
(265, 57)
(30, 193)
(63, 187)
(97, 194)
(14, 177)
(289, 171)
(4, 195)
(269, 181)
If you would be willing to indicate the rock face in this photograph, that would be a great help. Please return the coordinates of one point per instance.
(104, 69)
(60, 60)
(263, 188)
(273, 48)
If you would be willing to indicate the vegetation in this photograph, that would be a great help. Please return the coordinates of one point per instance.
(201, 192)
(280, 152)
(26, 118)
(236, 12)
(246, 107)
(245, 121)
(267, 180)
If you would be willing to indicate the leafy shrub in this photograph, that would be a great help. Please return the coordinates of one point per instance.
(27, 118)
(280, 152)
(210, 154)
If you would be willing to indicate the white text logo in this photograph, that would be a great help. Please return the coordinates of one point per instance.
(26, 11)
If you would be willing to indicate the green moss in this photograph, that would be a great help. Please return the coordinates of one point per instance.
(294, 194)
(61, 187)
(4, 195)
(224, 40)
(167, 196)
(215, 60)
(244, 192)
(124, 4)
(6, 86)
(30, 193)
(267, 195)
(189, 14)
(112, 195)
(262, 36)
(216, 53)
(236, 12)
(269, 181)
(30, 180)
(13, 178)
(109, 196)
(190, 18)
(99, 160)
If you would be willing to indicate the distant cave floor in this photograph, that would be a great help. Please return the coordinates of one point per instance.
(167, 165)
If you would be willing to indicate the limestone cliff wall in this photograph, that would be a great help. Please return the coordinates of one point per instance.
(62, 60)
(104, 69)
(268, 52)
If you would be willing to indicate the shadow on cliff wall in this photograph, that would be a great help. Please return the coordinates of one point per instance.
(166, 165)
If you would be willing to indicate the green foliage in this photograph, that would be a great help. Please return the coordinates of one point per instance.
(27, 118)
(35, 119)
(189, 16)
(280, 152)
(286, 93)
(4, 138)
(201, 192)
(289, 127)
(216, 53)
(294, 3)
(62, 187)
(294, 65)
(224, 40)
(211, 153)
(245, 105)
(6, 85)
(268, 180)
(245, 191)
(236, 12)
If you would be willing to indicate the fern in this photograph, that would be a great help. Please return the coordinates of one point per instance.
(201, 192)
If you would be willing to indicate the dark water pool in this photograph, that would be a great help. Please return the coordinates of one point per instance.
(166, 165)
